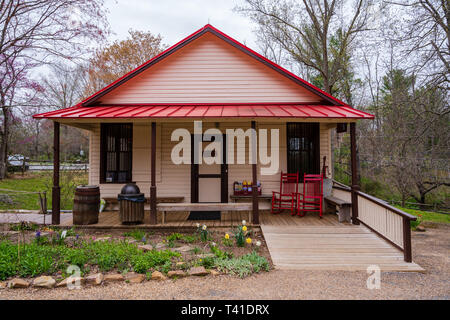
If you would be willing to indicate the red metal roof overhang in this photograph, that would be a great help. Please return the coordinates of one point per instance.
(207, 111)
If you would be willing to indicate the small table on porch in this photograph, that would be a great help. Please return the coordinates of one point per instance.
(236, 198)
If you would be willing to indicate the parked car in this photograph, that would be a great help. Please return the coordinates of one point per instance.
(15, 162)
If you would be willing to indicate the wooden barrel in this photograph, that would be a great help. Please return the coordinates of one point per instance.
(86, 205)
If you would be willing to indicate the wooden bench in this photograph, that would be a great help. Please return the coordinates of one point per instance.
(147, 200)
(172, 207)
(343, 207)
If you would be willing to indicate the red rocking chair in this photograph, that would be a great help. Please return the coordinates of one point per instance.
(286, 199)
(312, 197)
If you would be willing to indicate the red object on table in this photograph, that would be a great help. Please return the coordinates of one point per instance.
(286, 199)
(312, 197)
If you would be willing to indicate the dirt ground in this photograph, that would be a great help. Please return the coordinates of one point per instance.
(430, 250)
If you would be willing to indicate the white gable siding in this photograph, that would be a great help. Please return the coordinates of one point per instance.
(209, 70)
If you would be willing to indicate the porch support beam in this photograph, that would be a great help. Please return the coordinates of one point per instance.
(56, 190)
(355, 187)
(153, 212)
(407, 250)
(255, 215)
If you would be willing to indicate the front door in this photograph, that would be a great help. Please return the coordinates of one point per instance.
(209, 182)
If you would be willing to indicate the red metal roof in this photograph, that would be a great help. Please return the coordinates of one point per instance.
(207, 111)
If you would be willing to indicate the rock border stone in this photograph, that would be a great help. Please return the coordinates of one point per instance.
(97, 279)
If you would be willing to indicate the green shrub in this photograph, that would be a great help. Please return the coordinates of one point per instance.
(153, 259)
(109, 255)
(136, 234)
(415, 224)
(207, 262)
(24, 226)
(35, 261)
(196, 250)
(8, 260)
(221, 254)
(174, 236)
(243, 266)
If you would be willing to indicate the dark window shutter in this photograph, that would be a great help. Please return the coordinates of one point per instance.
(116, 151)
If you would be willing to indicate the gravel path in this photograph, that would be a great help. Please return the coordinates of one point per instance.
(30, 217)
(431, 251)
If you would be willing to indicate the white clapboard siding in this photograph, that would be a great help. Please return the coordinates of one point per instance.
(209, 70)
(174, 180)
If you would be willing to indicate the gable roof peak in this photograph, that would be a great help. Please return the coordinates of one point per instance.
(327, 98)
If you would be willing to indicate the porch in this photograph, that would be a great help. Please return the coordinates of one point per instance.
(179, 220)
(294, 243)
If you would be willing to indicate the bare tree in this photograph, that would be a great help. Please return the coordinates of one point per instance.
(33, 33)
(315, 34)
(427, 35)
(63, 86)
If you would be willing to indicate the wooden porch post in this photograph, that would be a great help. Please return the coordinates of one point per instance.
(56, 190)
(153, 213)
(407, 250)
(355, 186)
(255, 215)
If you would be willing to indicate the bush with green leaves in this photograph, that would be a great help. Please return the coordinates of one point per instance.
(24, 226)
(207, 262)
(153, 259)
(33, 259)
(243, 266)
(220, 253)
(181, 237)
(415, 224)
(136, 234)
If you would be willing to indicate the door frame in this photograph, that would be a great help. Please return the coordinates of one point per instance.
(223, 175)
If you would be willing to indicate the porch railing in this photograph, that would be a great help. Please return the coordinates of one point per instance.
(388, 222)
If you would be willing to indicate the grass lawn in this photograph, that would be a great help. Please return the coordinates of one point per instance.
(428, 216)
(40, 182)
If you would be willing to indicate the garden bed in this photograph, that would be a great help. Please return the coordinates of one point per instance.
(28, 252)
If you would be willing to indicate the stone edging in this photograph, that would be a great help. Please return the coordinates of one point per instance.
(48, 282)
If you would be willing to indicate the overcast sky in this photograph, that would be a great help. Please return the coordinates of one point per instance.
(176, 19)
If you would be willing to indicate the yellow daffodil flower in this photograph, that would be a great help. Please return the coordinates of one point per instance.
(227, 236)
(244, 228)
(248, 240)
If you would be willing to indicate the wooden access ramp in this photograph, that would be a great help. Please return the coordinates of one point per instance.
(332, 247)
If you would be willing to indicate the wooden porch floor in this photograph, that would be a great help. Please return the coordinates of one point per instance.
(110, 219)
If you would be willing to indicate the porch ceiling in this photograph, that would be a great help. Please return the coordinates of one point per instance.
(207, 111)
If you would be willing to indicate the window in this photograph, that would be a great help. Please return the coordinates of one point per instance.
(116, 152)
(303, 148)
